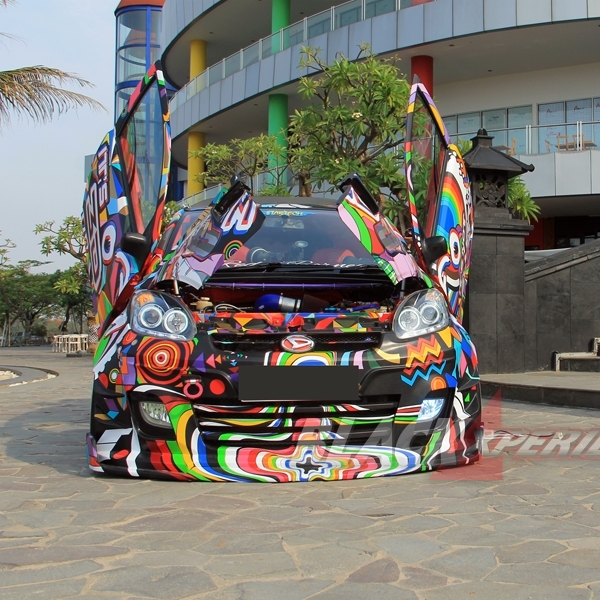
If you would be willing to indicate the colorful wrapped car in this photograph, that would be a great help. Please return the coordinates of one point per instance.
(278, 339)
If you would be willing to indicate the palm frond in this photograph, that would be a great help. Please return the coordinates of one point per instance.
(35, 92)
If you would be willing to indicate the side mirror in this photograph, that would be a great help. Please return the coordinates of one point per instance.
(137, 245)
(433, 248)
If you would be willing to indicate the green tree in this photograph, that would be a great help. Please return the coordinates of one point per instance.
(26, 296)
(72, 285)
(355, 122)
(5, 246)
(260, 155)
(37, 93)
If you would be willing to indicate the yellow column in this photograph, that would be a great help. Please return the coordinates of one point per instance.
(197, 57)
(196, 139)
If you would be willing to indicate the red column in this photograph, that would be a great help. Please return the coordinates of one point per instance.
(422, 67)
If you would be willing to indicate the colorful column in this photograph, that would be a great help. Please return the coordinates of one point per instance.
(422, 67)
(196, 139)
(278, 103)
(280, 15)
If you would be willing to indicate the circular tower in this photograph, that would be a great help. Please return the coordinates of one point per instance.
(137, 45)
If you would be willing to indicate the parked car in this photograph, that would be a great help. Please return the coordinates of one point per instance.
(278, 339)
(24, 339)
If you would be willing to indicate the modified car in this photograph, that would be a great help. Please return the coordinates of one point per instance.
(265, 339)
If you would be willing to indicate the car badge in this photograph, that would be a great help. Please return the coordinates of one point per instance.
(297, 344)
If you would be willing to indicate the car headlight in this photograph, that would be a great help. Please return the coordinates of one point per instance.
(423, 312)
(161, 315)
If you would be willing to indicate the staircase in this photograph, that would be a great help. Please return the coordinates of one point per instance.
(582, 362)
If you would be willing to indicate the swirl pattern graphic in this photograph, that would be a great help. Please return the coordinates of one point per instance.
(160, 361)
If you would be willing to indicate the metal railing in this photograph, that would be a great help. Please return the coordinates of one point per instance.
(333, 18)
(544, 139)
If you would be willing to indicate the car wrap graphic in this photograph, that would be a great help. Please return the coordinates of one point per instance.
(283, 296)
(120, 197)
(449, 203)
(213, 438)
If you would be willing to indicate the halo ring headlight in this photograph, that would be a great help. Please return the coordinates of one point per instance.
(150, 315)
(175, 321)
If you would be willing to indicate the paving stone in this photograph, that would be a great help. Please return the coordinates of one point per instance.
(241, 544)
(476, 536)
(55, 554)
(384, 570)
(437, 537)
(61, 571)
(173, 520)
(372, 591)
(416, 578)
(290, 589)
(475, 563)
(154, 582)
(579, 558)
(529, 552)
(239, 567)
(545, 574)
(410, 549)
(330, 561)
(485, 590)
(56, 589)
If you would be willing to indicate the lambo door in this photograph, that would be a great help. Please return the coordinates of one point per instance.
(125, 195)
(440, 199)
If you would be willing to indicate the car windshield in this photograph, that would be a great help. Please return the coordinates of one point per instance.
(301, 235)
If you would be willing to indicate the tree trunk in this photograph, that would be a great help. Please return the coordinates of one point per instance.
(304, 185)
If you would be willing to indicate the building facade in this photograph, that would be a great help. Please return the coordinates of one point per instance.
(528, 71)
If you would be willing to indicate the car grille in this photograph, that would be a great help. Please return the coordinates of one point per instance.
(285, 425)
(272, 341)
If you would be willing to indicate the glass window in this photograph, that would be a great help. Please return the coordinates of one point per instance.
(427, 165)
(469, 122)
(318, 24)
(520, 116)
(294, 34)
(379, 7)
(551, 114)
(450, 123)
(131, 63)
(131, 28)
(142, 145)
(579, 110)
(348, 13)
(292, 235)
(155, 22)
(494, 119)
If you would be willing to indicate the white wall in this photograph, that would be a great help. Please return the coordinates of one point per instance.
(538, 87)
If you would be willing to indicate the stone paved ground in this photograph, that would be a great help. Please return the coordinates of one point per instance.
(535, 533)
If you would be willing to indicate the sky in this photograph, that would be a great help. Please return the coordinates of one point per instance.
(42, 166)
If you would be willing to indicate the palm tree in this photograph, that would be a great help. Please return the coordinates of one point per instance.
(36, 92)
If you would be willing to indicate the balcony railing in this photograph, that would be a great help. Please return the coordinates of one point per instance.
(544, 139)
(298, 33)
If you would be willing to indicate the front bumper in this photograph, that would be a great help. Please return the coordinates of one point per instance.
(214, 436)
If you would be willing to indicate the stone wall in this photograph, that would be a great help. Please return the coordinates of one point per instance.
(496, 309)
(562, 304)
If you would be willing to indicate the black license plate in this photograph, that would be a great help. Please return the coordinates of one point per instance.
(298, 384)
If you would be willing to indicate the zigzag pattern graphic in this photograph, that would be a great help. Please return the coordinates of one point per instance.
(423, 350)
(434, 368)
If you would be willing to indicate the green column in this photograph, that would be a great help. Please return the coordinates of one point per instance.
(278, 103)
(280, 14)
(278, 123)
